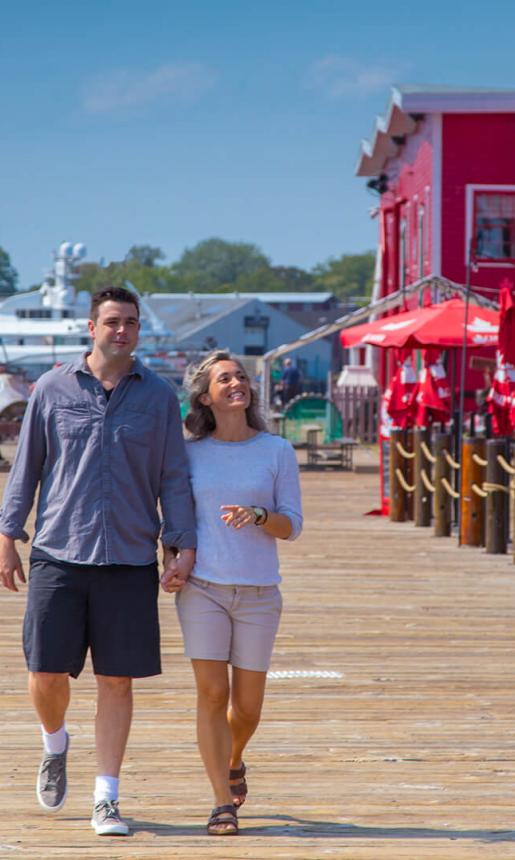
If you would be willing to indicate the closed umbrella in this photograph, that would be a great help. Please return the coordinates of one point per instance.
(432, 394)
(402, 386)
(501, 397)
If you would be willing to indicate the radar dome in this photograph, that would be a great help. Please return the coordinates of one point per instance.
(65, 249)
(79, 250)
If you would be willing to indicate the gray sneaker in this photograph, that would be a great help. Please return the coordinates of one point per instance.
(106, 819)
(51, 785)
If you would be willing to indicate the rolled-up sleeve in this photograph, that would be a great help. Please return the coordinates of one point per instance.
(178, 528)
(25, 472)
(287, 490)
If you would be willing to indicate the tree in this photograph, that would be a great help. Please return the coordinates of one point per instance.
(348, 277)
(145, 255)
(214, 263)
(8, 275)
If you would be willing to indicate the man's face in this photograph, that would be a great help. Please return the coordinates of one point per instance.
(115, 332)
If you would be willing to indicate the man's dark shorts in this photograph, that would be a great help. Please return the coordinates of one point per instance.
(110, 609)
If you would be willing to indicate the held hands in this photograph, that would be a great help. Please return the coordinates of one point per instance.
(177, 569)
(10, 564)
(238, 516)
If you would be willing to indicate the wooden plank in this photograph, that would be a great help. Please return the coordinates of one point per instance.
(405, 751)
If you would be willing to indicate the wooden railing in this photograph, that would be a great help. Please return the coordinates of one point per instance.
(359, 408)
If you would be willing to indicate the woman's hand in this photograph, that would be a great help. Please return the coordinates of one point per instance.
(238, 516)
(177, 569)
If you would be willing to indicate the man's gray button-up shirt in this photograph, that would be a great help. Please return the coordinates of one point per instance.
(102, 467)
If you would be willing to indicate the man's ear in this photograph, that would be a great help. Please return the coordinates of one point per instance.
(91, 327)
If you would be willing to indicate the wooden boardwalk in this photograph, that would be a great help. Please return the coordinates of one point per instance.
(389, 724)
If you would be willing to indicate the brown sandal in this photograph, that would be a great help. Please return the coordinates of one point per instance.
(223, 815)
(240, 790)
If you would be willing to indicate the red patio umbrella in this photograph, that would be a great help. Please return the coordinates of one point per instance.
(441, 325)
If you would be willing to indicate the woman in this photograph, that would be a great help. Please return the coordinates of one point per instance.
(246, 489)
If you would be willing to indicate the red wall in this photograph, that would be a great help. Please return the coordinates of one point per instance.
(477, 148)
(410, 184)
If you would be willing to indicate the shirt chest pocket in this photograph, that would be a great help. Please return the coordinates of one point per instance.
(136, 428)
(73, 421)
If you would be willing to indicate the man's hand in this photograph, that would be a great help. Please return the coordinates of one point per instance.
(177, 569)
(10, 563)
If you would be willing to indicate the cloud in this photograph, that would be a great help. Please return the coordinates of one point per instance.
(337, 77)
(123, 89)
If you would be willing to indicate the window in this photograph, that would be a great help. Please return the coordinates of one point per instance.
(494, 225)
(402, 254)
(33, 314)
(421, 242)
(256, 322)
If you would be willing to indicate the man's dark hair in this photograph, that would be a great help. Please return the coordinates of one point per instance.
(112, 294)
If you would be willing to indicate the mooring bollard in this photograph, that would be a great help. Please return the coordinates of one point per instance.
(497, 505)
(472, 504)
(423, 488)
(442, 500)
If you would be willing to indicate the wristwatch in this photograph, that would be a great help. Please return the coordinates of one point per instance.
(261, 515)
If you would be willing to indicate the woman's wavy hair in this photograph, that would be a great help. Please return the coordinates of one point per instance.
(200, 421)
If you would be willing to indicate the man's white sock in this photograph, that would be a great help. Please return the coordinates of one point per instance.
(55, 742)
(106, 788)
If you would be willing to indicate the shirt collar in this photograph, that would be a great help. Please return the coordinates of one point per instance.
(79, 365)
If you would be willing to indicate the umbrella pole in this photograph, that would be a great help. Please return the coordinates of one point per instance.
(461, 416)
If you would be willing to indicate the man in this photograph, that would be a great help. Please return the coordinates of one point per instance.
(102, 437)
(290, 381)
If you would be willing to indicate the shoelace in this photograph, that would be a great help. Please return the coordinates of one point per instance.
(51, 769)
(108, 808)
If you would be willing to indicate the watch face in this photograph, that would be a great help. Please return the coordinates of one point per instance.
(260, 514)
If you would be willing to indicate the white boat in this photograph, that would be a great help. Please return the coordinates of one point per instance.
(43, 327)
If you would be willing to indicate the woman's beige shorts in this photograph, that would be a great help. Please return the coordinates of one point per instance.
(233, 623)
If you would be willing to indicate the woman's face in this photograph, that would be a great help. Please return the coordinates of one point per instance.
(229, 388)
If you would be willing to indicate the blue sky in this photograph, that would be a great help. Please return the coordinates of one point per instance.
(166, 123)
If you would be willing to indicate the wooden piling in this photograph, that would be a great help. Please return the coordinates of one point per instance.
(497, 501)
(397, 492)
(472, 502)
(442, 501)
(423, 496)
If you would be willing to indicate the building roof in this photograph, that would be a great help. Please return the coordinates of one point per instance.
(268, 297)
(408, 102)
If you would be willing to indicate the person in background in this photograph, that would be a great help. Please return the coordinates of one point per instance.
(246, 489)
(102, 439)
(291, 381)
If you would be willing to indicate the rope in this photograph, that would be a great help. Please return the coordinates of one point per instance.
(402, 481)
(408, 455)
(478, 491)
(427, 453)
(425, 480)
(449, 489)
(479, 460)
(452, 463)
(505, 465)
(493, 488)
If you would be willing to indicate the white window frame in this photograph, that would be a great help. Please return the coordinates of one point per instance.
(470, 190)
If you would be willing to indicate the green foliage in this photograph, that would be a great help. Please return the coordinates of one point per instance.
(214, 263)
(8, 275)
(348, 276)
(145, 255)
(218, 266)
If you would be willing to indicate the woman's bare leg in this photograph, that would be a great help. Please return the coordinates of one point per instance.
(213, 732)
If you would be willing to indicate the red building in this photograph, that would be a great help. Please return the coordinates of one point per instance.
(442, 162)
